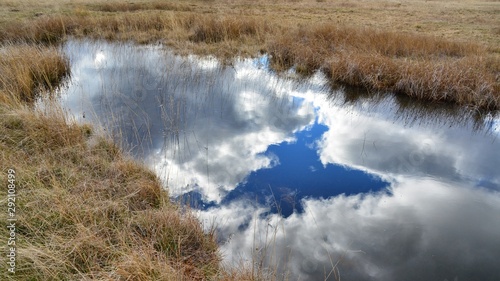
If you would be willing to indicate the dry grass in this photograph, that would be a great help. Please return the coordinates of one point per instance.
(210, 30)
(422, 67)
(86, 211)
(222, 36)
(465, 81)
(131, 6)
(25, 70)
(419, 65)
(460, 20)
(325, 39)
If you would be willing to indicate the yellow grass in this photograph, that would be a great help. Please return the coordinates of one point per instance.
(307, 35)
(84, 210)
(27, 69)
(462, 20)
(422, 67)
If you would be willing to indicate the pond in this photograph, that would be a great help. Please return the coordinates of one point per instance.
(318, 182)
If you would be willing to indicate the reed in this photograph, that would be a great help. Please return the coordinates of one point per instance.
(26, 70)
(210, 30)
(421, 67)
(466, 81)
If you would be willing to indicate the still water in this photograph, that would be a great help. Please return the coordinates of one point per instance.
(321, 183)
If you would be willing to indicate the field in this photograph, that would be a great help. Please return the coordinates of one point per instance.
(87, 211)
(441, 51)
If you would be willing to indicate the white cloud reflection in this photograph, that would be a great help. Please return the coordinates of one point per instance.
(381, 146)
(231, 144)
(424, 230)
(205, 127)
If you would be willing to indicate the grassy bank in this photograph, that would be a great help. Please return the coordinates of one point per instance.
(29, 69)
(86, 211)
(422, 67)
(425, 64)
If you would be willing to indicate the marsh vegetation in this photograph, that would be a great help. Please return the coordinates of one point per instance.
(422, 65)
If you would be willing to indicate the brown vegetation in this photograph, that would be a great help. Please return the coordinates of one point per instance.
(27, 69)
(131, 7)
(86, 211)
(422, 67)
(417, 65)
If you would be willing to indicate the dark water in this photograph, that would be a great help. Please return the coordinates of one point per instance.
(316, 181)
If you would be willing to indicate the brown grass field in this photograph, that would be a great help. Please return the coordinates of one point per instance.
(441, 51)
(87, 211)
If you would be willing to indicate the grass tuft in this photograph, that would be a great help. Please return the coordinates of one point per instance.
(26, 70)
(464, 81)
(210, 30)
(113, 7)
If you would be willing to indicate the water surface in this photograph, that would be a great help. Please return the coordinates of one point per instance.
(315, 180)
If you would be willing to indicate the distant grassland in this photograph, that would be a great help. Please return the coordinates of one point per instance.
(444, 51)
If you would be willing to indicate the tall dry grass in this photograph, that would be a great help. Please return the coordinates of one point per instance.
(26, 70)
(422, 67)
(465, 81)
(86, 211)
(44, 30)
(210, 30)
(132, 7)
(419, 66)
(307, 46)
(145, 27)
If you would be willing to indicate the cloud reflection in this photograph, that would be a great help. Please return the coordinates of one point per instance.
(383, 147)
(424, 230)
(205, 128)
